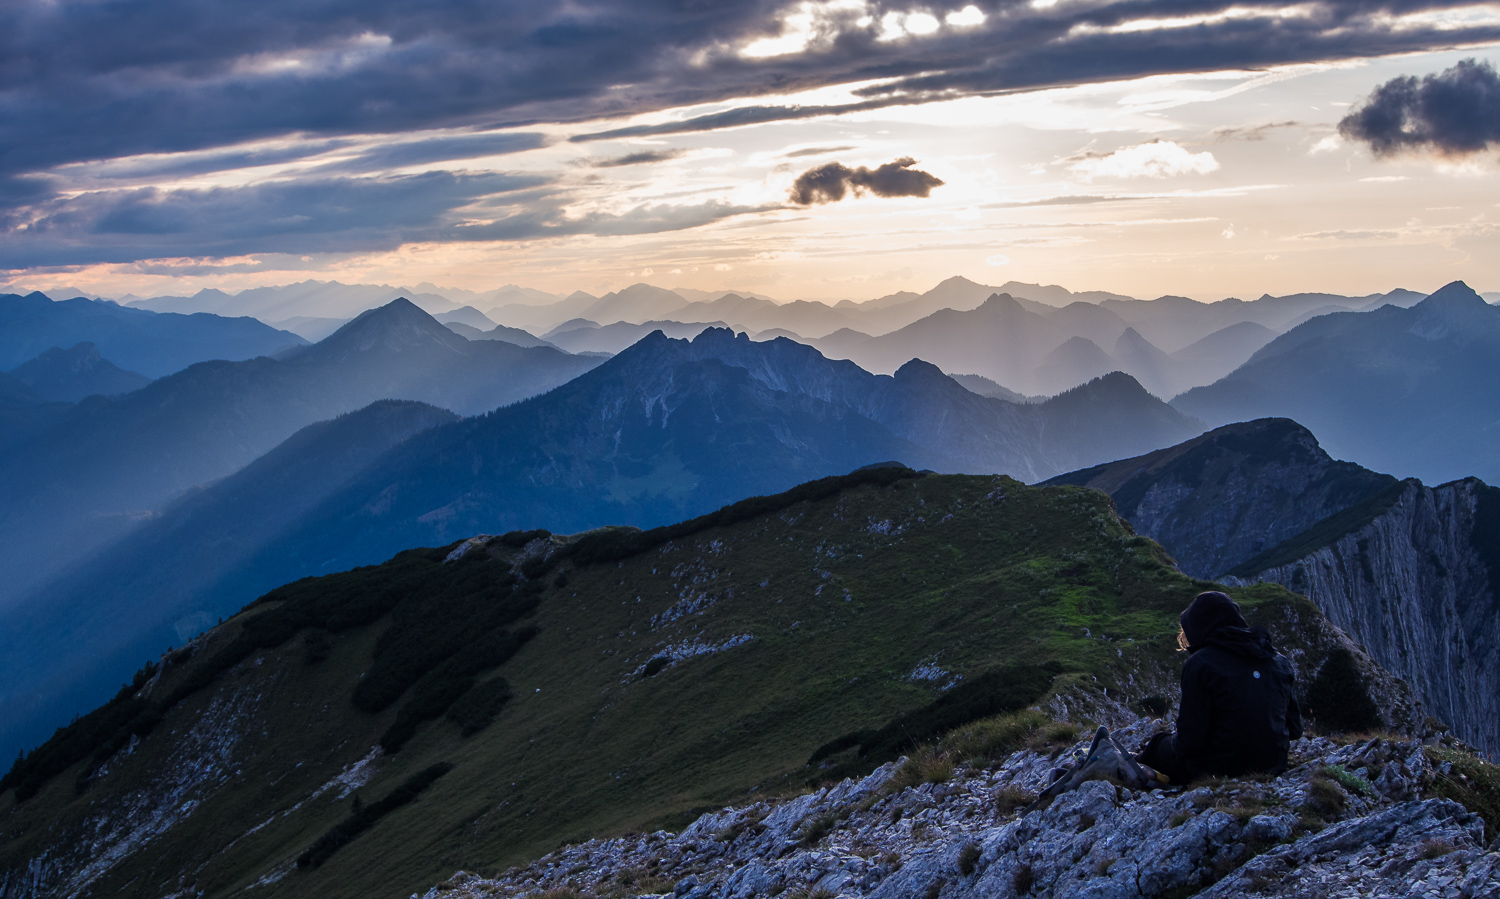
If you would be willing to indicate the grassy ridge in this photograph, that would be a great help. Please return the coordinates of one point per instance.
(782, 629)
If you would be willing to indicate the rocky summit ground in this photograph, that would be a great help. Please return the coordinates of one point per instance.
(1366, 819)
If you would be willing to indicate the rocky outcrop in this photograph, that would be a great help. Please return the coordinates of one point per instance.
(1413, 585)
(965, 838)
(1222, 498)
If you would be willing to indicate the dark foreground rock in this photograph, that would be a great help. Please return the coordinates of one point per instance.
(1360, 820)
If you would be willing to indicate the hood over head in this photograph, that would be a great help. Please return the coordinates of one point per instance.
(1213, 619)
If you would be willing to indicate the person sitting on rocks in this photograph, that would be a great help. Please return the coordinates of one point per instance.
(1238, 713)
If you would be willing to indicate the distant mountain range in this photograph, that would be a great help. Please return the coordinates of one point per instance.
(1041, 341)
(1415, 391)
(666, 429)
(133, 339)
(93, 471)
(672, 427)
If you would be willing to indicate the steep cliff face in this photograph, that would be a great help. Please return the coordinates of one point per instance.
(1415, 584)
(1222, 498)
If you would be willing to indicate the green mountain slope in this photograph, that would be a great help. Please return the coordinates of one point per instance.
(650, 674)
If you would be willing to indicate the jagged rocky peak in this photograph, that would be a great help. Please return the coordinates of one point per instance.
(1220, 499)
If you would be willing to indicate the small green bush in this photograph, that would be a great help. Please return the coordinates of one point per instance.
(994, 738)
(1338, 698)
(1154, 705)
(968, 858)
(478, 708)
(362, 820)
(1472, 782)
(1326, 797)
(518, 539)
(317, 646)
(1349, 780)
(994, 692)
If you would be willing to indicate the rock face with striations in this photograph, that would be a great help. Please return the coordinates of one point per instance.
(1412, 576)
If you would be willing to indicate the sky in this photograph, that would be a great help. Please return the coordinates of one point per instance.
(820, 149)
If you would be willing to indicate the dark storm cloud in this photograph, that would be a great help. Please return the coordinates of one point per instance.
(830, 182)
(815, 151)
(1453, 113)
(91, 80)
(112, 80)
(642, 158)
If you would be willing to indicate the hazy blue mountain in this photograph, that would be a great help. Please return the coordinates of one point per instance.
(540, 318)
(72, 374)
(591, 338)
(24, 412)
(1173, 323)
(1053, 295)
(179, 572)
(1212, 357)
(15, 392)
(1000, 340)
(693, 295)
(1219, 499)
(323, 299)
(1075, 359)
(986, 387)
(108, 462)
(151, 343)
(636, 303)
(499, 332)
(671, 427)
(467, 315)
(1414, 391)
(311, 328)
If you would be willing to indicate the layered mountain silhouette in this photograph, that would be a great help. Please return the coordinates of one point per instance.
(667, 428)
(135, 339)
(671, 428)
(153, 588)
(72, 374)
(1414, 390)
(107, 463)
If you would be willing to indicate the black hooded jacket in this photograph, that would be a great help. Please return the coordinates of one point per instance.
(1239, 708)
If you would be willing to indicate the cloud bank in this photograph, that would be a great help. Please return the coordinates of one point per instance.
(1453, 113)
(832, 181)
(184, 87)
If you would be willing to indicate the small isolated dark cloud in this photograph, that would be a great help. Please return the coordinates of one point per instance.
(640, 158)
(1069, 200)
(1251, 132)
(1453, 113)
(815, 151)
(831, 182)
